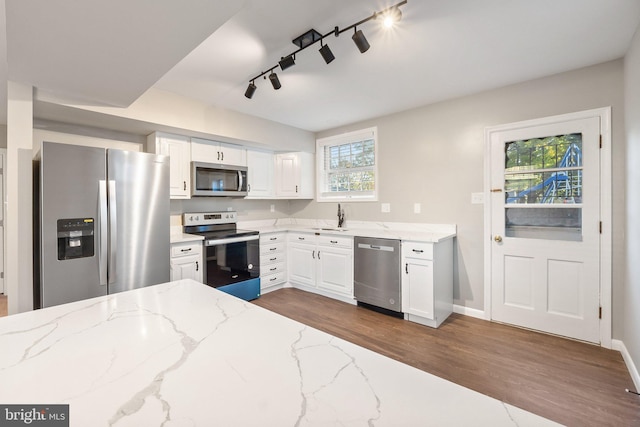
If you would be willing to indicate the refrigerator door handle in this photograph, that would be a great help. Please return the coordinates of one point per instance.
(102, 223)
(113, 234)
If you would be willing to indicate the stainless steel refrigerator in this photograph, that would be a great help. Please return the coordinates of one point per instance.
(101, 222)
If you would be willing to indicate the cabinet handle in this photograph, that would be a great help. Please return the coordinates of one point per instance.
(272, 259)
(418, 251)
(334, 241)
(273, 238)
(273, 269)
(273, 249)
(273, 278)
(406, 268)
(185, 250)
(197, 266)
(185, 185)
(300, 238)
(249, 187)
(222, 152)
(218, 155)
(296, 188)
(318, 254)
(313, 255)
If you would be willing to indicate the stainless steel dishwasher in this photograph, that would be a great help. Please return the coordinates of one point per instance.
(377, 272)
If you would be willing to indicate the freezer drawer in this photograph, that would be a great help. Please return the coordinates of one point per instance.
(377, 272)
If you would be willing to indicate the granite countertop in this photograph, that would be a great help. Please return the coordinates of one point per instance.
(433, 236)
(176, 237)
(185, 354)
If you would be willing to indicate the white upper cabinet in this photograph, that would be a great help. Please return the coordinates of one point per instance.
(295, 175)
(260, 174)
(179, 152)
(204, 150)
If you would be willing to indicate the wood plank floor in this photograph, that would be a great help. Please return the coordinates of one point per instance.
(572, 383)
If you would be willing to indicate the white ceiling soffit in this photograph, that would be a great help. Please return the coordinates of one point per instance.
(105, 52)
(440, 50)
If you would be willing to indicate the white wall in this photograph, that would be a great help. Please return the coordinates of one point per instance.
(631, 290)
(433, 155)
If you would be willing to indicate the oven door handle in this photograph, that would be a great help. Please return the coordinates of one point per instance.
(214, 242)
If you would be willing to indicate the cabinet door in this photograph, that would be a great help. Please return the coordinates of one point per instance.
(179, 166)
(335, 270)
(233, 155)
(287, 175)
(301, 259)
(417, 287)
(187, 268)
(260, 174)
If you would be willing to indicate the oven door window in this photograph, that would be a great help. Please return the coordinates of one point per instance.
(232, 263)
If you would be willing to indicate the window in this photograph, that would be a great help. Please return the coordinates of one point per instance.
(347, 167)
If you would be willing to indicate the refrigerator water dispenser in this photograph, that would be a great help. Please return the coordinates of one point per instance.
(75, 238)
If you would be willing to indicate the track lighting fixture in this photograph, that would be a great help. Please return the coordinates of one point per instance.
(275, 82)
(361, 41)
(389, 16)
(251, 89)
(326, 53)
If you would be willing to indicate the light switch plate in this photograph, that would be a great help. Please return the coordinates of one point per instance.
(272, 208)
(477, 198)
(417, 208)
(386, 207)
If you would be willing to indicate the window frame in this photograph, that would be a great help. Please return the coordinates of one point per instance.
(321, 173)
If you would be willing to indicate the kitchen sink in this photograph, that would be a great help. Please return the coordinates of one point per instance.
(330, 229)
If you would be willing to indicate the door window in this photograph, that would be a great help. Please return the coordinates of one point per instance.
(543, 188)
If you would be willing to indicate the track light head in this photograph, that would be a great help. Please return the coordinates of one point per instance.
(275, 82)
(391, 16)
(286, 62)
(326, 53)
(361, 41)
(251, 89)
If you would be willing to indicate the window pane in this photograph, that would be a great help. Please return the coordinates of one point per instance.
(544, 153)
(562, 186)
(544, 223)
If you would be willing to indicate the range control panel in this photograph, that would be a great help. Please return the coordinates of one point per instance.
(209, 218)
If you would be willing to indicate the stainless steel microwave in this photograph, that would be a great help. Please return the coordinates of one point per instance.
(209, 179)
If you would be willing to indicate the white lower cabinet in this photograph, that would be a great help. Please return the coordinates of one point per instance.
(427, 281)
(321, 263)
(273, 264)
(186, 261)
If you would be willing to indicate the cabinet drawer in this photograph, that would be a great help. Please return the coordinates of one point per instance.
(266, 239)
(417, 250)
(302, 238)
(272, 258)
(273, 279)
(266, 270)
(335, 241)
(271, 248)
(186, 249)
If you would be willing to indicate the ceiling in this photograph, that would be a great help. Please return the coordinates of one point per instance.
(109, 53)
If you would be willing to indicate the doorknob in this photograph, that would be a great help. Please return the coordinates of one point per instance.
(498, 238)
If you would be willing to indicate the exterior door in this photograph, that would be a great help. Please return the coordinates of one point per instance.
(545, 227)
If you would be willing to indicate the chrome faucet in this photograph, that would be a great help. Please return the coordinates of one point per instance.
(340, 216)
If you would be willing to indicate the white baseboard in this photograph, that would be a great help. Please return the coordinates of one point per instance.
(461, 309)
(633, 370)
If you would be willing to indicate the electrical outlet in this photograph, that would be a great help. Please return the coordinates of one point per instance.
(386, 207)
(272, 208)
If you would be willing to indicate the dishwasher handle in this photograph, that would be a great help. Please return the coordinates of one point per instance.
(375, 247)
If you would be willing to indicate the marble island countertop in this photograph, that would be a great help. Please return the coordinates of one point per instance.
(184, 354)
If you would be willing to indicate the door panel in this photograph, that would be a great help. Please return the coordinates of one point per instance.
(545, 213)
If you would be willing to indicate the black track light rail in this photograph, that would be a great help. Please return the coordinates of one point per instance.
(336, 31)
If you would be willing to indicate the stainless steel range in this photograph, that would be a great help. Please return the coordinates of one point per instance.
(232, 256)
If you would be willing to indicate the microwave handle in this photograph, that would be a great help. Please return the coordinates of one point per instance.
(240, 180)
